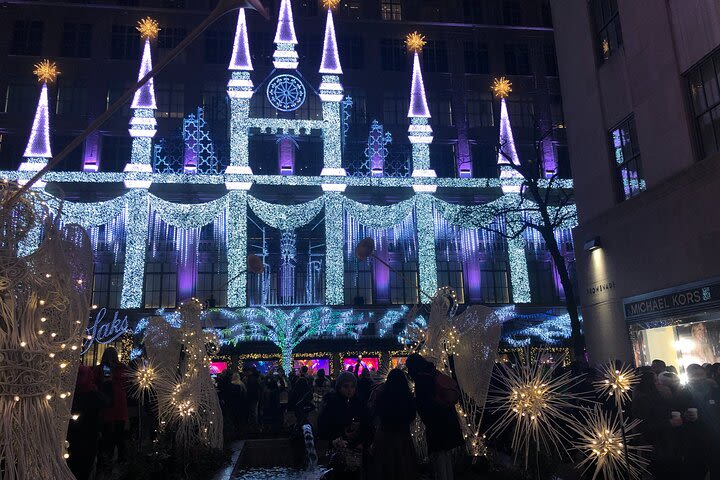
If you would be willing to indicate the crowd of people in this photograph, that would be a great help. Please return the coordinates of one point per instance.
(363, 420)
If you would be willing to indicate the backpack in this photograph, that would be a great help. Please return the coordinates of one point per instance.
(446, 390)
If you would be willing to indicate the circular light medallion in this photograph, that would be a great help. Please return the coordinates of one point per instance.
(286, 93)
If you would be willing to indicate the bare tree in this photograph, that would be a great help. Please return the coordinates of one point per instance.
(543, 205)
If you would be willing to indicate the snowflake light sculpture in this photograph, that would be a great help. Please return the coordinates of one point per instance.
(286, 92)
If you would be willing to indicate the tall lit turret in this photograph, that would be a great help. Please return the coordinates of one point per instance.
(143, 125)
(38, 151)
(285, 56)
(420, 132)
(507, 153)
(240, 84)
(330, 89)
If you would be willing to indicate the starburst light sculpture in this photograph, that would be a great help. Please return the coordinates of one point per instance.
(600, 439)
(148, 28)
(46, 71)
(415, 42)
(501, 87)
(536, 403)
(617, 383)
(330, 4)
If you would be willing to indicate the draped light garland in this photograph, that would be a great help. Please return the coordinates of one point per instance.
(379, 216)
(286, 217)
(188, 216)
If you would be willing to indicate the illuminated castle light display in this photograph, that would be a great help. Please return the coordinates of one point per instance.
(153, 249)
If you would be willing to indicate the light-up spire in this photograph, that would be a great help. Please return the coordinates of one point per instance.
(507, 153)
(38, 145)
(241, 59)
(145, 96)
(330, 60)
(285, 55)
(331, 89)
(418, 100)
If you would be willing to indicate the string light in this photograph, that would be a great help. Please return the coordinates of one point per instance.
(616, 382)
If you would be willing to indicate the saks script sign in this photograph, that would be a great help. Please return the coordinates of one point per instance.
(105, 328)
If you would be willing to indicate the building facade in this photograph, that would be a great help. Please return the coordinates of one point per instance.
(293, 139)
(640, 94)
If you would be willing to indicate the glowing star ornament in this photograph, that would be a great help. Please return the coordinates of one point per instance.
(599, 437)
(285, 56)
(46, 71)
(148, 28)
(501, 87)
(330, 4)
(415, 42)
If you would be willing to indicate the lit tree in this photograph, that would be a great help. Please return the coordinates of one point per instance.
(543, 205)
(288, 328)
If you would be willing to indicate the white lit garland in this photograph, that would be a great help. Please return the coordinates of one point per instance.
(182, 215)
(286, 217)
(332, 135)
(379, 216)
(136, 230)
(425, 226)
(237, 248)
(90, 214)
(334, 240)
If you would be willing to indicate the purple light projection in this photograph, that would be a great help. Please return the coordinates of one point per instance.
(286, 155)
(381, 273)
(145, 97)
(91, 160)
(286, 27)
(240, 59)
(330, 60)
(418, 100)
(38, 145)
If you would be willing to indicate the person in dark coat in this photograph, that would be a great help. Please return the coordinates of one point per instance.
(84, 428)
(364, 386)
(344, 422)
(393, 452)
(115, 417)
(253, 389)
(442, 427)
(272, 413)
(301, 400)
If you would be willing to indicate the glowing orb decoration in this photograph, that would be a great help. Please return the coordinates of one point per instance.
(415, 42)
(148, 28)
(330, 3)
(286, 93)
(501, 87)
(46, 71)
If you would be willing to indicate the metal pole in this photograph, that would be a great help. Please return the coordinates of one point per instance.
(223, 7)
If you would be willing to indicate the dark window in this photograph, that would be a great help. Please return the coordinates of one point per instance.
(72, 98)
(218, 46)
(705, 98)
(395, 108)
(310, 51)
(76, 40)
(473, 12)
(351, 9)
(546, 14)
(160, 284)
(476, 57)
(626, 159)
(358, 283)
(27, 38)
(521, 113)
(435, 57)
(174, 3)
(170, 37)
(517, 60)
(107, 285)
(562, 155)
(215, 103)
(116, 90)
(124, 43)
(73, 161)
(308, 7)
(551, 68)
(393, 55)
(494, 282)
(352, 52)
(484, 160)
(171, 100)
(556, 113)
(391, 10)
(11, 150)
(451, 274)
(358, 110)
(115, 153)
(441, 110)
(403, 283)
(21, 97)
(261, 48)
(542, 282)
(211, 287)
(607, 27)
(479, 110)
(443, 160)
(512, 13)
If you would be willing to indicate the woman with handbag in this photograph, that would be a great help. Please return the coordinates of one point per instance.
(344, 421)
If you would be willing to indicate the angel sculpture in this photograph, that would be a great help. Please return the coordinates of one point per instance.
(44, 305)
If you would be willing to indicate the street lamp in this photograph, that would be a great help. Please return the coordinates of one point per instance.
(223, 7)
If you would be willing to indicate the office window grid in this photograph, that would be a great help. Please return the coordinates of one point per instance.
(434, 57)
(704, 86)
(391, 10)
(171, 100)
(27, 38)
(450, 273)
(442, 114)
(358, 283)
(76, 40)
(393, 55)
(124, 43)
(21, 97)
(352, 52)
(160, 284)
(517, 59)
(404, 283)
(218, 46)
(626, 159)
(169, 37)
(107, 284)
(72, 98)
(494, 284)
(395, 108)
(473, 11)
(479, 109)
(512, 13)
(477, 59)
(607, 27)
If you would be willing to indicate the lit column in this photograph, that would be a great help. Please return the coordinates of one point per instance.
(143, 125)
(508, 160)
(137, 212)
(425, 226)
(420, 132)
(237, 248)
(331, 94)
(240, 90)
(334, 241)
(38, 151)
